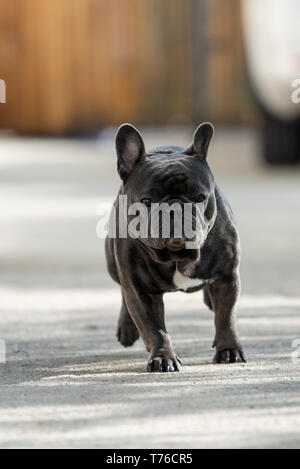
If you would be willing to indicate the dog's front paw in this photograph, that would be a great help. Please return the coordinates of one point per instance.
(163, 364)
(230, 355)
(127, 334)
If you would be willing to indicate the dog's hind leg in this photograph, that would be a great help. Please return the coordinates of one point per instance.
(224, 294)
(127, 332)
(206, 298)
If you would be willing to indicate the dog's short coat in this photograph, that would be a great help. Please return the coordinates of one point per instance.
(146, 268)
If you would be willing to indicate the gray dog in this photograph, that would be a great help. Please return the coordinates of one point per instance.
(148, 266)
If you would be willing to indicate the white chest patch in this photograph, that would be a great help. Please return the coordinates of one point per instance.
(182, 282)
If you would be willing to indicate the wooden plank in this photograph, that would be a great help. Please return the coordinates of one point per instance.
(80, 64)
(8, 62)
(230, 100)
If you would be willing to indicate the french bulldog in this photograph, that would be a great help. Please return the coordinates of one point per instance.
(148, 266)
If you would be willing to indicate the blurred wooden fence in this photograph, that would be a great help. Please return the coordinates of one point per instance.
(79, 64)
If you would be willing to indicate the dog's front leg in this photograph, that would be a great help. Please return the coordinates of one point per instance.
(147, 312)
(224, 295)
(127, 332)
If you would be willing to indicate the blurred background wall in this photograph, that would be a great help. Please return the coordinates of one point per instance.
(78, 65)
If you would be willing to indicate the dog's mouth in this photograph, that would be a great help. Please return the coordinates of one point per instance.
(175, 248)
(176, 253)
(175, 244)
(169, 248)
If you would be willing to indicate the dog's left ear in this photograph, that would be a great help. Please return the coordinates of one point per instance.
(201, 140)
(130, 147)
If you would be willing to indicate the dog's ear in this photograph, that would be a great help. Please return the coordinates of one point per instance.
(130, 148)
(201, 140)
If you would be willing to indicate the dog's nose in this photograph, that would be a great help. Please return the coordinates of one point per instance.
(175, 244)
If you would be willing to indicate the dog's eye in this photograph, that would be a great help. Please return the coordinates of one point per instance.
(147, 202)
(201, 198)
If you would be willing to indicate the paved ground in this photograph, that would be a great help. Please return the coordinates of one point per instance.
(67, 382)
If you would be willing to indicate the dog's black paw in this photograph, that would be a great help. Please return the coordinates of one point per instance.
(127, 334)
(163, 364)
(230, 355)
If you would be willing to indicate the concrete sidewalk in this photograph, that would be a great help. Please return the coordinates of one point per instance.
(68, 383)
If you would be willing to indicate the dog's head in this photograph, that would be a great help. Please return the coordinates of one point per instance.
(170, 193)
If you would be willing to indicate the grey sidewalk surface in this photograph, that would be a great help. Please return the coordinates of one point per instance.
(67, 382)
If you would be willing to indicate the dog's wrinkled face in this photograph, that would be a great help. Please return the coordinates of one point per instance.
(172, 189)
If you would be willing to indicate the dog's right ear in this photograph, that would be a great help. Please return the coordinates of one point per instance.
(130, 148)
